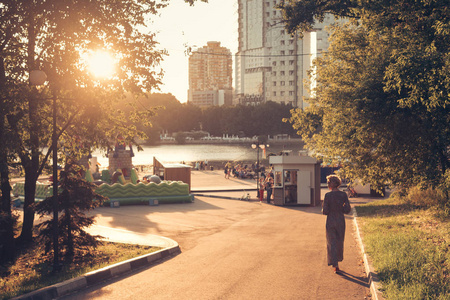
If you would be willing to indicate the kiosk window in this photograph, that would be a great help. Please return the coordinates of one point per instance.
(287, 177)
(278, 181)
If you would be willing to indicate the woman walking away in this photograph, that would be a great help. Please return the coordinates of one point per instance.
(335, 205)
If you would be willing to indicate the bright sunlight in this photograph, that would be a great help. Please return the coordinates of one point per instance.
(101, 64)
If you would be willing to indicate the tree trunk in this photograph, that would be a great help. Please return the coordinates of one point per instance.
(31, 166)
(7, 245)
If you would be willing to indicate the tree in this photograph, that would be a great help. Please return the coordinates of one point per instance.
(386, 115)
(418, 29)
(54, 36)
(76, 198)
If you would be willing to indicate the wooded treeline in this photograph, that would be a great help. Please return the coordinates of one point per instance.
(173, 116)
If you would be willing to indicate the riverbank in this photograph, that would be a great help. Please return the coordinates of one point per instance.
(212, 165)
(229, 141)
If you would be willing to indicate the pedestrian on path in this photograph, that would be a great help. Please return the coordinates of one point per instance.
(261, 189)
(269, 188)
(335, 205)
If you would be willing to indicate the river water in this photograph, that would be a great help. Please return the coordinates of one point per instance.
(191, 153)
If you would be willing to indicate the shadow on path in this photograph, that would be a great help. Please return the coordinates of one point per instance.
(361, 280)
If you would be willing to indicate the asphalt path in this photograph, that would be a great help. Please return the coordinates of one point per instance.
(233, 249)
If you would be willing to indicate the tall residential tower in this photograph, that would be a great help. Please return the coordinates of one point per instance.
(271, 65)
(210, 76)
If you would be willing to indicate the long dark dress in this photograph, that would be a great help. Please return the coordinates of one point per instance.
(335, 205)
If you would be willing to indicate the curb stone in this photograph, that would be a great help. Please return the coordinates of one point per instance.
(375, 285)
(97, 276)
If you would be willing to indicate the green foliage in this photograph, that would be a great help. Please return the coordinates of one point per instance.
(357, 121)
(8, 223)
(77, 197)
(180, 138)
(55, 37)
(424, 197)
(173, 116)
(409, 267)
(34, 270)
(302, 15)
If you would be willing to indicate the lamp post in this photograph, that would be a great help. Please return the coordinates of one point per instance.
(258, 146)
(38, 77)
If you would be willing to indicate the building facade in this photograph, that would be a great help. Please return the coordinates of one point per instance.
(210, 76)
(272, 65)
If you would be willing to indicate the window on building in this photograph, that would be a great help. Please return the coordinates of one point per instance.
(267, 3)
(291, 72)
(291, 62)
(274, 63)
(282, 73)
(282, 52)
(267, 14)
(274, 73)
(291, 41)
(282, 62)
(282, 93)
(291, 52)
(282, 42)
(267, 24)
(291, 93)
(291, 82)
(274, 83)
(275, 93)
(274, 13)
(282, 32)
(282, 83)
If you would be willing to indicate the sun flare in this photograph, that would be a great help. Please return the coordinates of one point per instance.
(101, 64)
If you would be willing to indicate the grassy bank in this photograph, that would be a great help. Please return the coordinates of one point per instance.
(32, 269)
(409, 246)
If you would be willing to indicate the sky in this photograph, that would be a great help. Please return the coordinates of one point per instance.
(180, 24)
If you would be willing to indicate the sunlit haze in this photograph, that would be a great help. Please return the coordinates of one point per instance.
(181, 26)
(101, 64)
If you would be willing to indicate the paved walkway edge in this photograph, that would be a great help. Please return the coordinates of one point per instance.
(375, 285)
(97, 276)
(217, 196)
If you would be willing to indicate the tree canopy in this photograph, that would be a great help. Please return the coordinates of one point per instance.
(56, 36)
(381, 106)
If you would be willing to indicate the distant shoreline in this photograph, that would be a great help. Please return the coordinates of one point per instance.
(228, 141)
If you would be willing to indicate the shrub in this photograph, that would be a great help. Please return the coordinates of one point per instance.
(421, 197)
(77, 196)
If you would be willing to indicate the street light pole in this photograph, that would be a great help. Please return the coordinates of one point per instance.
(56, 265)
(37, 78)
(258, 146)
(257, 171)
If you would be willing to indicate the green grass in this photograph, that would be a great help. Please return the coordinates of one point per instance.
(32, 269)
(409, 247)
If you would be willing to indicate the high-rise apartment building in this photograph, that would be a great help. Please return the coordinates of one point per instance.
(210, 76)
(271, 65)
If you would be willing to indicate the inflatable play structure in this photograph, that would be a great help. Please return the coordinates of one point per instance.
(146, 193)
(120, 182)
(123, 192)
(43, 190)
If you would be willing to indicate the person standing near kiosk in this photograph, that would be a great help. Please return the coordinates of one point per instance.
(261, 187)
(269, 188)
(335, 205)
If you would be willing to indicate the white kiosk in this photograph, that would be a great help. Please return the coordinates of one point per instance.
(297, 180)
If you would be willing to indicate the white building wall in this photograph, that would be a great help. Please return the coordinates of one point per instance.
(271, 63)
